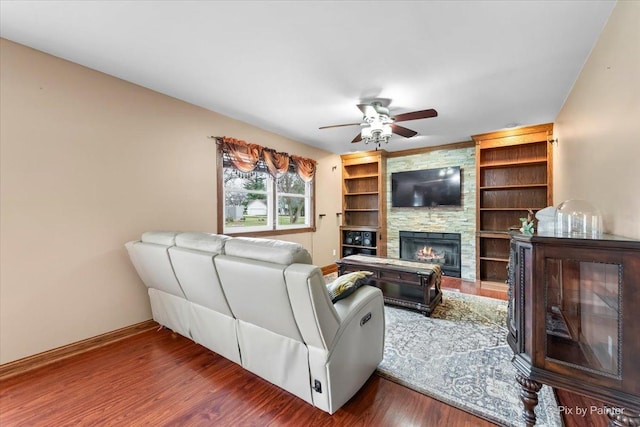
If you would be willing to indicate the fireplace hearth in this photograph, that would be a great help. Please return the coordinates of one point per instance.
(433, 248)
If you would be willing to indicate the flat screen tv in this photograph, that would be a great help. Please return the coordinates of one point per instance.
(426, 188)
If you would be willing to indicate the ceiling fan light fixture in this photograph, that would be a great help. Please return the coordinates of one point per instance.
(377, 133)
(386, 131)
(367, 133)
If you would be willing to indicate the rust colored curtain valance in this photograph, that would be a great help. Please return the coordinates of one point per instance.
(277, 163)
(306, 168)
(245, 157)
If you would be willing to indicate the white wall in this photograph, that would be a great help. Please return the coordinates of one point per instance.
(597, 157)
(89, 162)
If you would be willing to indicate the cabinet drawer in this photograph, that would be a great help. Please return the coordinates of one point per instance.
(398, 276)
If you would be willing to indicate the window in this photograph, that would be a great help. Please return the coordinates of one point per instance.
(256, 201)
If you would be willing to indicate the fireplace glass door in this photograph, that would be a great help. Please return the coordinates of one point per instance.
(432, 248)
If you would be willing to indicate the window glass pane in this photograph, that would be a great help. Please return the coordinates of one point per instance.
(247, 210)
(291, 210)
(247, 200)
(294, 201)
(291, 183)
(232, 181)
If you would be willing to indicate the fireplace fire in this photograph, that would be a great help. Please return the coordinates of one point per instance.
(433, 248)
(428, 254)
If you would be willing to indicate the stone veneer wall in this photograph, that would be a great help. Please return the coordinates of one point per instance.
(458, 219)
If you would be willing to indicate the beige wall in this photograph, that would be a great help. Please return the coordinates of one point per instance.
(598, 154)
(89, 162)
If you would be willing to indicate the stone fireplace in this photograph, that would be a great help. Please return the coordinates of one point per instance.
(445, 219)
(435, 248)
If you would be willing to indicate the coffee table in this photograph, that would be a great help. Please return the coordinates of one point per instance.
(409, 284)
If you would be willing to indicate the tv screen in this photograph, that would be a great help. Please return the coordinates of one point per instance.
(426, 188)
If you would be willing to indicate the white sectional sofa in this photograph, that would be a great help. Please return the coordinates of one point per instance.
(262, 304)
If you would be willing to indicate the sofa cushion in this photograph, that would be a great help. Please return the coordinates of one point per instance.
(167, 238)
(268, 250)
(346, 284)
(207, 242)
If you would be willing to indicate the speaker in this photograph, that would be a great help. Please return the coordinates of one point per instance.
(357, 238)
(366, 239)
(367, 251)
(348, 238)
(347, 251)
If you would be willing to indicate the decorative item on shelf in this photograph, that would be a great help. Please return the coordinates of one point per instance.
(527, 223)
(578, 218)
(546, 219)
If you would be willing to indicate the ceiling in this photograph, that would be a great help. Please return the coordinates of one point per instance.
(291, 67)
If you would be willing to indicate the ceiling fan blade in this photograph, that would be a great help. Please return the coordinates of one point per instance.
(339, 126)
(407, 133)
(422, 114)
(358, 138)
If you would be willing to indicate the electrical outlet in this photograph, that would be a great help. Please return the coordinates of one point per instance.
(334, 252)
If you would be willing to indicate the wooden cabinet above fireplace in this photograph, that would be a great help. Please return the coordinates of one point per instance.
(364, 218)
(513, 176)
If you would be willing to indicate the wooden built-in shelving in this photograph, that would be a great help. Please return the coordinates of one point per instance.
(363, 204)
(514, 176)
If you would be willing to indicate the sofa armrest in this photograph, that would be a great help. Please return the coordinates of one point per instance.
(361, 311)
(350, 306)
(358, 345)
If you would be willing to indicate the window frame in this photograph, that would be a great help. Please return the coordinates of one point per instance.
(274, 229)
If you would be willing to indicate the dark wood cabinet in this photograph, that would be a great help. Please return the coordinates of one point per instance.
(364, 217)
(574, 320)
(513, 175)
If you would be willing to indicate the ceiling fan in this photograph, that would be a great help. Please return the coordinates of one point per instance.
(378, 126)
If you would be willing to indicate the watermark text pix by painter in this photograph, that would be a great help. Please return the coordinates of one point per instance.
(591, 410)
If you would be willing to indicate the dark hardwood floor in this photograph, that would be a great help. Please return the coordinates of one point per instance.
(159, 378)
(469, 287)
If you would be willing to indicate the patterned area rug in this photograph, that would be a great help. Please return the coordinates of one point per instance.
(460, 356)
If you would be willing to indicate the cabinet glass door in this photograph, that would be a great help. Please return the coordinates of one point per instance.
(582, 314)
